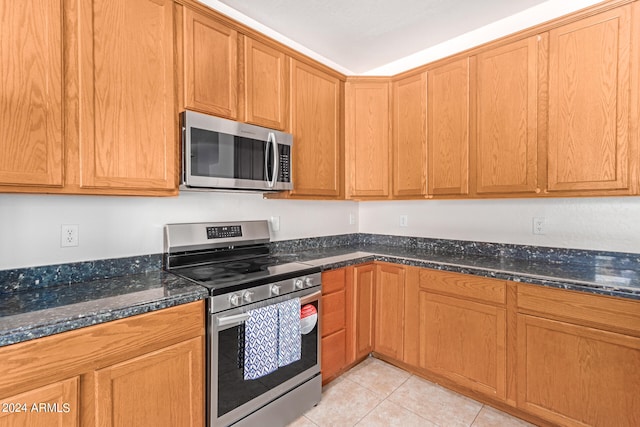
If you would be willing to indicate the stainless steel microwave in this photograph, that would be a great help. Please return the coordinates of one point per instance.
(223, 154)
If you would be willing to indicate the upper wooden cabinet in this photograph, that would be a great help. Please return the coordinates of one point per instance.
(265, 85)
(31, 112)
(593, 111)
(316, 99)
(504, 103)
(448, 129)
(210, 65)
(409, 137)
(367, 139)
(127, 114)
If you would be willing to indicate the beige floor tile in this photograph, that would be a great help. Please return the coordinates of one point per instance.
(343, 404)
(436, 404)
(302, 422)
(489, 417)
(378, 376)
(389, 414)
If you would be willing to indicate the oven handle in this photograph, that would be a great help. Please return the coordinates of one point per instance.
(237, 318)
(310, 298)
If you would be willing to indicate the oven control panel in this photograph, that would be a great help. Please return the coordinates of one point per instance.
(223, 232)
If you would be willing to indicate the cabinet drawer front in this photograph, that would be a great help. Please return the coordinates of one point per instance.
(597, 310)
(334, 355)
(464, 285)
(333, 312)
(333, 280)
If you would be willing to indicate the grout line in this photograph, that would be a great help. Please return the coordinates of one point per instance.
(477, 415)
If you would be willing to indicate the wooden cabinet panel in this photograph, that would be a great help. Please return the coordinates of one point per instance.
(367, 139)
(210, 65)
(362, 320)
(333, 355)
(318, 168)
(589, 103)
(333, 312)
(389, 310)
(464, 285)
(464, 341)
(448, 129)
(334, 280)
(163, 388)
(411, 332)
(574, 375)
(127, 115)
(410, 136)
(51, 405)
(265, 84)
(31, 112)
(504, 118)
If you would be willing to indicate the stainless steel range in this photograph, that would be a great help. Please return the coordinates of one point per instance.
(263, 335)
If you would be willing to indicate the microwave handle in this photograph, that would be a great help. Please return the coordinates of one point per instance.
(272, 140)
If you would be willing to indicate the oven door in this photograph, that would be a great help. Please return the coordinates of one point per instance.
(231, 397)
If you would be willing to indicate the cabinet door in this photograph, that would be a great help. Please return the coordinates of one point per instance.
(210, 66)
(333, 355)
(389, 311)
(52, 405)
(367, 139)
(464, 341)
(127, 108)
(574, 375)
(31, 96)
(410, 136)
(362, 321)
(504, 118)
(315, 122)
(448, 129)
(265, 84)
(162, 388)
(589, 104)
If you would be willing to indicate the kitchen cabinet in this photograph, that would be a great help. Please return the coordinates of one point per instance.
(448, 129)
(462, 330)
(389, 310)
(143, 370)
(409, 159)
(316, 124)
(266, 87)
(593, 96)
(367, 138)
(210, 65)
(334, 324)
(504, 105)
(361, 306)
(31, 111)
(578, 356)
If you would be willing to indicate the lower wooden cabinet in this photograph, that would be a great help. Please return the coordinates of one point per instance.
(145, 370)
(389, 310)
(333, 323)
(361, 303)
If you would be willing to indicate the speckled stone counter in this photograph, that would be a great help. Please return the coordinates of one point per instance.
(43, 311)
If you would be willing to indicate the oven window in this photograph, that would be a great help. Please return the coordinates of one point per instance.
(233, 389)
(219, 155)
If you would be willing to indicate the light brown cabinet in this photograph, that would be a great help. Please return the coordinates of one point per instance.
(145, 370)
(31, 112)
(367, 137)
(266, 86)
(361, 318)
(210, 65)
(448, 129)
(316, 99)
(389, 310)
(409, 159)
(591, 104)
(334, 323)
(504, 105)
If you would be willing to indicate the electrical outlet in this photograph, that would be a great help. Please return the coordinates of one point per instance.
(539, 226)
(352, 218)
(68, 235)
(404, 220)
(275, 223)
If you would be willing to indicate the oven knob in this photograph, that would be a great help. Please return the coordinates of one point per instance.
(248, 296)
(275, 289)
(299, 284)
(234, 299)
(308, 281)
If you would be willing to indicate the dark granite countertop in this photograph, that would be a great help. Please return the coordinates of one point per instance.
(35, 313)
(604, 275)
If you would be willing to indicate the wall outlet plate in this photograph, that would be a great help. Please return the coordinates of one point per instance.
(539, 225)
(275, 223)
(69, 235)
(404, 220)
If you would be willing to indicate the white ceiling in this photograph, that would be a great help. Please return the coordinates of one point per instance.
(364, 35)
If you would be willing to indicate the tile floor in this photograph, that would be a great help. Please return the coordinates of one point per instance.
(375, 393)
